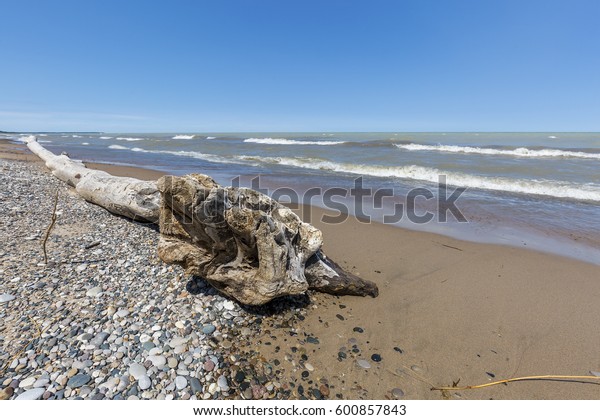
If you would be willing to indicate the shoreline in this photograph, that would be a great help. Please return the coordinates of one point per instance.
(455, 309)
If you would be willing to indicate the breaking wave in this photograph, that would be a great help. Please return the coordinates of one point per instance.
(269, 140)
(457, 179)
(183, 137)
(519, 152)
(117, 147)
(557, 189)
(130, 138)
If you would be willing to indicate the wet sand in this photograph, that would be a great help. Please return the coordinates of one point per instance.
(447, 310)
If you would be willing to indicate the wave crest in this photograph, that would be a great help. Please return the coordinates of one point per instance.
(457, 179)
(130, 138)
(519, 152)
(269, 140)
(183, 137)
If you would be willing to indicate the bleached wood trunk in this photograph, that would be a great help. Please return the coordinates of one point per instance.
(129, 197)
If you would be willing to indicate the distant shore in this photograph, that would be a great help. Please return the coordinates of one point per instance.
(447, 310)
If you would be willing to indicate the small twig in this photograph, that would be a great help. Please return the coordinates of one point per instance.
(53, 221)
(524, 378)
(448, 246)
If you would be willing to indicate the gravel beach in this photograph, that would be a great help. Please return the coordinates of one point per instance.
(105, 318)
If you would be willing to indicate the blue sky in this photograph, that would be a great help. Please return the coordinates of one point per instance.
(419, 65)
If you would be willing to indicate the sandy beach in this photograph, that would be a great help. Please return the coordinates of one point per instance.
(447, 310)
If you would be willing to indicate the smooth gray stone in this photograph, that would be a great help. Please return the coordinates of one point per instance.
(208, 329)
(99, 338)
(79, 380)
(196, 385)
(5, 297)
(32, 394)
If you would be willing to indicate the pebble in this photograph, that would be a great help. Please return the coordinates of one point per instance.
(79, 380)
(144, 382)
(6, 393)
(212, 388)
(5, 297)
(222, 383)
(172, 362)
(41, 383)
(309, 367)
(196, 385)
(376, 357)
(27, 382)
(32, 394)
(122, 313)
(99, 338)
(136, 370)
(158, 361)
(397, 393)
(94, 291)
(180, 382)
(208, 329)
(363, 363)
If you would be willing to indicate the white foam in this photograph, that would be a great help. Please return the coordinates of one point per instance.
(25, 139)
(210, 138)
(130, 138)
(590, 192)
(117, 147)
(519, 152)
(105, 138)
(85, 144)
(538, 187)
(75, 136)
(269, 140)
(44, 141)
(552, 137)
(183, 137)
(196, 155)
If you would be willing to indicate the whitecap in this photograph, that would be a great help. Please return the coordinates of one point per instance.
(518, 152)
(130, 138)
(522, 186)
(269, 140)
(118, 147)
(183, 137)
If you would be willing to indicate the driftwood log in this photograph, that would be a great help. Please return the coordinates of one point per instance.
(129, 197)
(245, 244)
